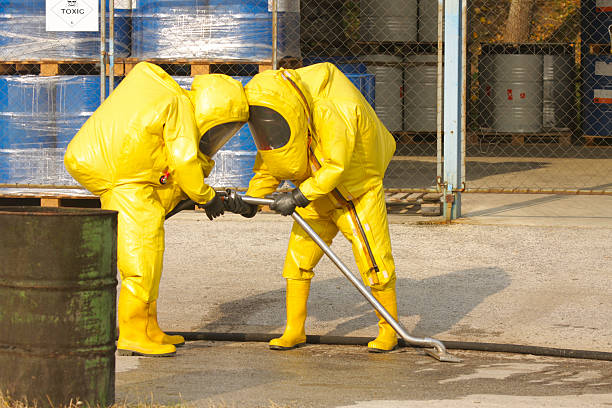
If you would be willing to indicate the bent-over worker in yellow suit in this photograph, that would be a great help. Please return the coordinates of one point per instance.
(313, 127)
(142, 152)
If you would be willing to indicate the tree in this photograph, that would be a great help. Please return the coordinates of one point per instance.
(518, 24)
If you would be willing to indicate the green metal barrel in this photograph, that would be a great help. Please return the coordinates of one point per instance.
(57, 305)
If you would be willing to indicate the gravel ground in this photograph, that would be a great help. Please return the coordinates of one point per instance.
(535, 285)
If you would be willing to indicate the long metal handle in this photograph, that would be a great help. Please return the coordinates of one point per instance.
(437, 344)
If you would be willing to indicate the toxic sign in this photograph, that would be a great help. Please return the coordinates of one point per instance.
(72, 15)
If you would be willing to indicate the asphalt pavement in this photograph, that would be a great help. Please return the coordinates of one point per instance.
(516, 269)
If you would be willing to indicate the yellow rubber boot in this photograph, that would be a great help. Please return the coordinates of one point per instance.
(156, 334)
(133, 322)
(387, 338)
(295, 334)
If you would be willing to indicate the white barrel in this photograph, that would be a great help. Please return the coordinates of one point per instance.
(516, 92)
(420, 93)
(558, 92)
(428, 21)
(387, 71)
(388, 20)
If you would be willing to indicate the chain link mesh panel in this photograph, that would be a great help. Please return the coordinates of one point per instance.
(539, 116)
(395, 42)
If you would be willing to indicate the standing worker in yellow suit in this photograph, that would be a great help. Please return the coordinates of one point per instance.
(313, 127)
(142, 151)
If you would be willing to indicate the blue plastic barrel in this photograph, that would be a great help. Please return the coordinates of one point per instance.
(597, 95)
(27, 127)
(366, 83)
(215, 29)
(596, 21)
(38, 118)
(235, 160)
(23, 34)
(77, 97)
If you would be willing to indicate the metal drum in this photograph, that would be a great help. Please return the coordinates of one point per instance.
(484, 105)
(596, 21)
(27, 128)
(428, 21)
(216, 29)
(597, 95)
(57, 297)
(388, 77)
(558, 91)
(514, 88)
(420, 93)
(388, 20)
(23, 34)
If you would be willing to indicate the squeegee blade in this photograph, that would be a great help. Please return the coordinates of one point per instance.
(445, 357)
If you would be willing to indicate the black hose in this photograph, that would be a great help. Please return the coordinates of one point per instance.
(451, 345)
(183, 205)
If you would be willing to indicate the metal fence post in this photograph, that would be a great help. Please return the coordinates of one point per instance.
(454, 90)
(102, 50)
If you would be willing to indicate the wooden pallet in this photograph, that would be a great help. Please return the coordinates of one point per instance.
(50, 67)
(122, 66)
(409, 137)
(599, 49)
(193, 66)
(563, 138)
(597, 141)
(47, 198)
(425, 204)
(399, 48)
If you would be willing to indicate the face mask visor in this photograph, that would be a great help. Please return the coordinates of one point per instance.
(269, 128)
(217, 136)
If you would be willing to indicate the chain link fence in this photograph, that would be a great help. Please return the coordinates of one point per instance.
(539, 116)
(538, 99)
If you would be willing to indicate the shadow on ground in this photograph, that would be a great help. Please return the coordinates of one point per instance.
(336, 308)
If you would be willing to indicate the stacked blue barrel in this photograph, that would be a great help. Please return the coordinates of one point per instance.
(23, 34)
(597, 70)
(214, 30)
(38, 118)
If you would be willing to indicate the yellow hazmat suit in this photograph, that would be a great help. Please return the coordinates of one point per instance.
(313, 127)
(139, 153)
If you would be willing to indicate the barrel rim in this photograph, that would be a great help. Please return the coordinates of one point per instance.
(18, 210)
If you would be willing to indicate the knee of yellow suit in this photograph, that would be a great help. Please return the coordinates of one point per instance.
(140, 238)
(303, 254)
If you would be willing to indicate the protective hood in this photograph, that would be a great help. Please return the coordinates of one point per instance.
(277, 110)
(221, 109)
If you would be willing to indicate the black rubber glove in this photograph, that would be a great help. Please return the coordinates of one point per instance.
(234, 203)
(214, 207)
(285, 203)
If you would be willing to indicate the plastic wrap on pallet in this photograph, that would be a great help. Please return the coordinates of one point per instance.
(23, 34)
(217, 30)
(38, 118)
(234, 162)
